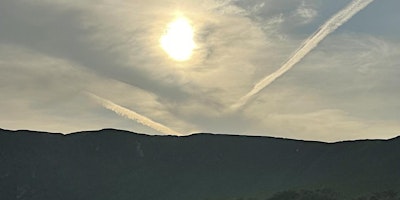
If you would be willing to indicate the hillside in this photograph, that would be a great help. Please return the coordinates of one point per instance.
(119, 165)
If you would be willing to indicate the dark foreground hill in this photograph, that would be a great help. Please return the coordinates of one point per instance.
(118, 165)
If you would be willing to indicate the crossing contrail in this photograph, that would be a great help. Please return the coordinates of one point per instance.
(308, 45)
(130, 114)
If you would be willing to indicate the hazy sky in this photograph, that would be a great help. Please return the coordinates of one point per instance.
(68, 65)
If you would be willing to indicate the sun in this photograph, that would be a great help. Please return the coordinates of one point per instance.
(177, 40)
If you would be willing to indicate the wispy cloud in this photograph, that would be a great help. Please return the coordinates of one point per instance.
(306, 13)
(130, 114)
(307, 46)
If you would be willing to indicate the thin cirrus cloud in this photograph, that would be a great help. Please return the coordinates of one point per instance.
(308, 45)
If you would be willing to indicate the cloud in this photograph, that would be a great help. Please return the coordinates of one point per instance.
(125, 46)
(42, 93)
(45, 93)
(332, 96)
(130, 114)
(52, 50)
(363, 83)
(308, 45)
(306, 12)
(329, 125)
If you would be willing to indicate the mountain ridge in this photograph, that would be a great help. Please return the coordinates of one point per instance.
(116, 164)
(198, 133)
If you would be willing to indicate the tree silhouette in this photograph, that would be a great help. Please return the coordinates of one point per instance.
(385, 195)
(323, 194)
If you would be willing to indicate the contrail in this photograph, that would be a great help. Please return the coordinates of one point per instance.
(130, 114)
(308, 45)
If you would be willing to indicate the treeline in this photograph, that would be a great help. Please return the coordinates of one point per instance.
(326, 194)
(323, 194)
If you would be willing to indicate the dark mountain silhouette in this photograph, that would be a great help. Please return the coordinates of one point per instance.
(119, 165)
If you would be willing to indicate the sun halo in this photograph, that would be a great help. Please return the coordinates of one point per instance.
(177, 40)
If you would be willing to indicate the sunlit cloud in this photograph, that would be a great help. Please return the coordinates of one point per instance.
(320, 123)
(178, 39)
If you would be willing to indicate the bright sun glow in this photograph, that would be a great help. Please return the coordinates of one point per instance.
(178, 39)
